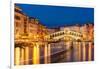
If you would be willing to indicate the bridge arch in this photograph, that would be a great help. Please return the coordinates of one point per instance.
(75, 36)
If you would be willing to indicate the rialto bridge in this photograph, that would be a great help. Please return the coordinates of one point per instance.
(27, 51)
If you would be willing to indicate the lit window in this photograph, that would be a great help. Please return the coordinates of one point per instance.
(17, 17)
(72, 33)
(63, 32)
(55, 34)
(16, 31)
(59, 34)
(17, 24)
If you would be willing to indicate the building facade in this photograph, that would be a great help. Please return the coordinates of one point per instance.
(29, 36)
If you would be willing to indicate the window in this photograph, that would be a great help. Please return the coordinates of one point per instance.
(31, 30)
(70, 33)
(17, 24)
(61, 33)
(17, 17)
(81, 35)
(56, 34)
(16, 31)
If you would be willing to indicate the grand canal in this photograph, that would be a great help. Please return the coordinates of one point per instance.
(71, 52)
(63, 52)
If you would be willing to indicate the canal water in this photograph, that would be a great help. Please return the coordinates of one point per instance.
(69, 52)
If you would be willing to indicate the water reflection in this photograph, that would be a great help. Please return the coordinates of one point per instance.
(70, 52)
(54, 53)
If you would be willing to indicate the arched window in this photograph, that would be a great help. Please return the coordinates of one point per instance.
(60, 33)
(56, 34)
(63, 33)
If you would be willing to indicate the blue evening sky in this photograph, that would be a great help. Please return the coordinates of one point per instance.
(54, 16)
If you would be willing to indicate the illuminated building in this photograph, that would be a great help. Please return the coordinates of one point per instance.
(27, 31)
(20, 23)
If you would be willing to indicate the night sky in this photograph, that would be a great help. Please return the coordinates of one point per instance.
(54, 16)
